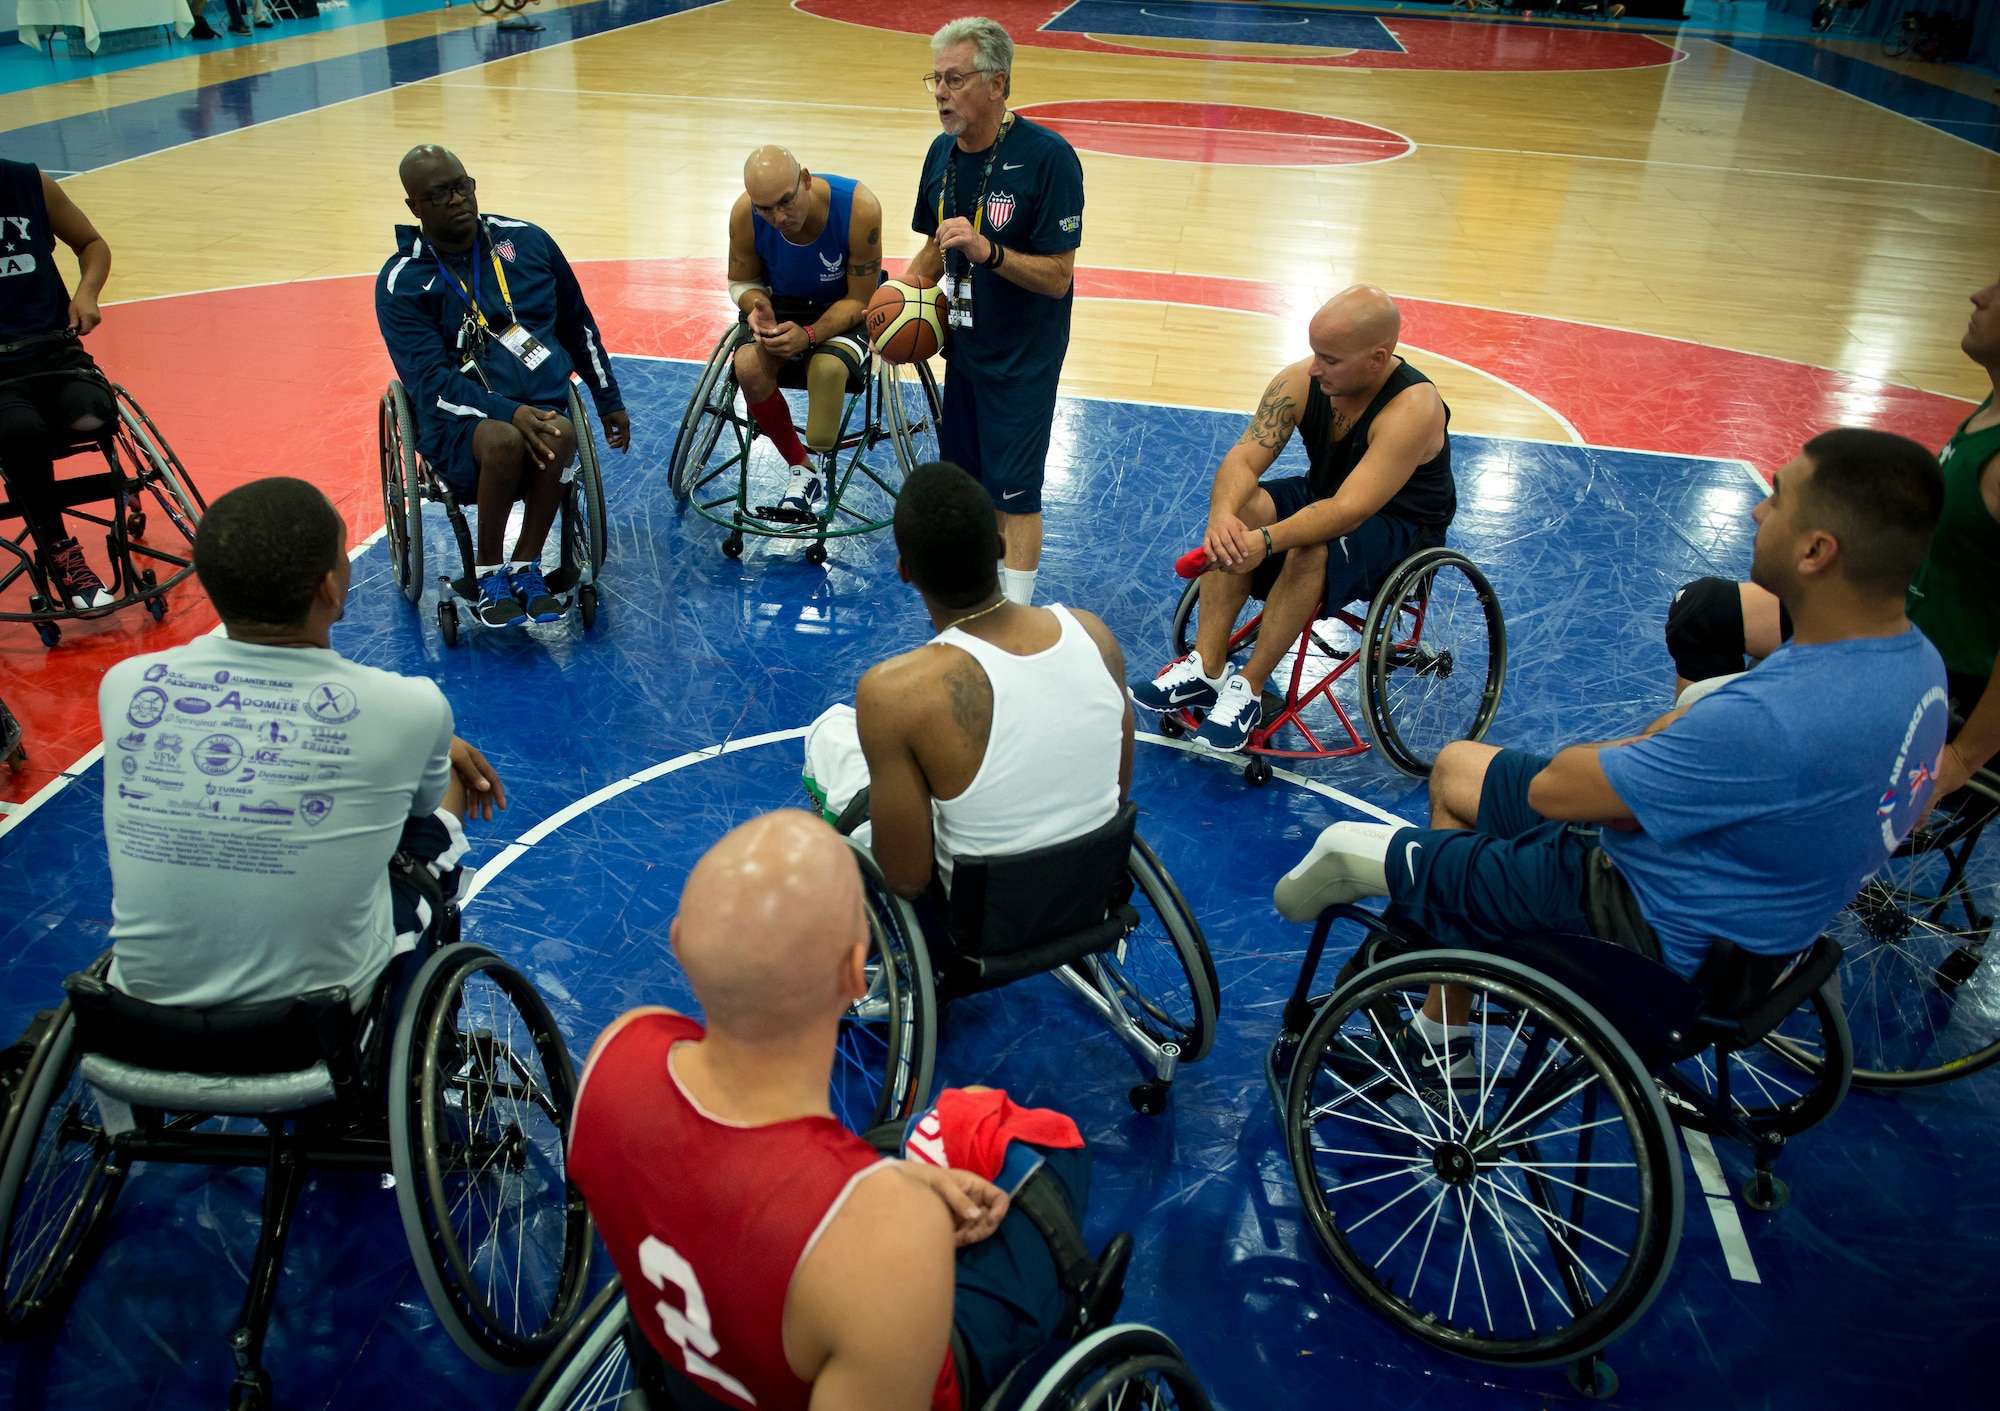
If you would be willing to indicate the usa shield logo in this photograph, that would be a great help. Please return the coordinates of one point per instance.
(505, 250)
(999, 209)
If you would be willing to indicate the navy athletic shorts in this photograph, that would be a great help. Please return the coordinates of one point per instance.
(445, 443)
(998, 433)
(1516, 875)
(1358, 561)
(1009, 1299)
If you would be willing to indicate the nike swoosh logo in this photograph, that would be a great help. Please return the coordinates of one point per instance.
(1185, 691)
(428, 283)
(1010, 166)
(1013, 494)
(1410, 861)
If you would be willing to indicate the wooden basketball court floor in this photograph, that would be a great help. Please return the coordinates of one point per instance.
(1642, 267)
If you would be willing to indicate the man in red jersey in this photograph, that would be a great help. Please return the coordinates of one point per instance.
(742, 1217)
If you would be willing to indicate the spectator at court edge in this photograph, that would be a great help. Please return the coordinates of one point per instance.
(1002, 202)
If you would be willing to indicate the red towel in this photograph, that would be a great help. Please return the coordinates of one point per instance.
(970, 1131)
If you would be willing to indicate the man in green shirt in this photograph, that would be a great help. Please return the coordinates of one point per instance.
(1954, 599)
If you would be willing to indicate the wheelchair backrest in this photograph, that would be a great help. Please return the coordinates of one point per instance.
(1746, 995)
(276, 1036)
(1003, 905)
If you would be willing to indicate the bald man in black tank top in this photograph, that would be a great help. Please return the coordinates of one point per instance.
(1379, 488)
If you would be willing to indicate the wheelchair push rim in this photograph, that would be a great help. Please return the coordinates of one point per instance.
(1434, 659)
(1919, 980)
(402, 492)
(1160, 974)
(481, 1094)
(706, 414)
(589, 1369)
(59, 1179)
(886, 1052)
(1127, 1365)
(1524, 1210)
(583, 518)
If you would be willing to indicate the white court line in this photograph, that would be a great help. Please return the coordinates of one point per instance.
(1721, 1207)
(1359, 805)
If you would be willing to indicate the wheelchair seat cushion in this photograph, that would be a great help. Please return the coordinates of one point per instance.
(1012, 905)
(252, 1095)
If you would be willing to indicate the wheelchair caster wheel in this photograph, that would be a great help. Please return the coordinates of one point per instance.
(135, 524)
(586, 606)
(158, 608)
(1593, 1378)
(1765, 1192)
(448, 624)
(1171, 726)
(1149, 1098)
(49, 633)
(1257, 772)
(816, 555)
(732, 547)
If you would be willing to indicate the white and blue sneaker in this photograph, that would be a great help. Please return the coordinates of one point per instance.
(498, 607)
(801, 501)
(1236, 712)
(1180, 687)
(533, 592)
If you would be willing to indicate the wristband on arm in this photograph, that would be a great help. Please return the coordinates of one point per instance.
(1268, 550)
(997, 256)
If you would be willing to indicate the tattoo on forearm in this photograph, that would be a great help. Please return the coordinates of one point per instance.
(1272, 425)
(864, 268)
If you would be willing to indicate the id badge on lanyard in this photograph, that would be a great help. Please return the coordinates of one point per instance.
(473, 332)
(958, 288)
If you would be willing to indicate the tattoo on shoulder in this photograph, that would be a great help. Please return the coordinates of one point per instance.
(971, 700)
(874, 237)
(1272, 424)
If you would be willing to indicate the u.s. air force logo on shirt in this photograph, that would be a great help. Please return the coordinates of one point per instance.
(1911, 780)
(999, 209)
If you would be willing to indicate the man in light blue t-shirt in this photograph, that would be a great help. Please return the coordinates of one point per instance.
(1752, 815)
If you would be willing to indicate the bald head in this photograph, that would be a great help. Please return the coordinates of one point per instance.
(768, 173)
(441, 196)
(1353, 337)
(768, 922)
(426, 166)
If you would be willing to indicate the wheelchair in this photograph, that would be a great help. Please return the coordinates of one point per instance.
(1523, 1206)
(407, 481)
(1432, 648)
(711, 468)
(1072, 910)
(141, 468)
(463, 1097)
(604, 1361)
(1921, 990)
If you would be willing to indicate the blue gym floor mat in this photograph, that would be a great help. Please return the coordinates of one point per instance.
(1877, 1283)
(1231, 23)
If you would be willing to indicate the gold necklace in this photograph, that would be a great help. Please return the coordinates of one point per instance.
(994, 607)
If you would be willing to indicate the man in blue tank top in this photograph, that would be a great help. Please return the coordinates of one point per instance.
(1001, 199)
(805, 255)
(50, 390)
(1378, 489)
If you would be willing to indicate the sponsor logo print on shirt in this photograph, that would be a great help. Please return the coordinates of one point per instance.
(332, 704)
(218, 754)
(1915, 792)
(149, 705)
(1071, 224)
(314, 808)
(1000, 209)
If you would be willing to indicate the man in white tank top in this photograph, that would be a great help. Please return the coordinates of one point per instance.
(1008, 731)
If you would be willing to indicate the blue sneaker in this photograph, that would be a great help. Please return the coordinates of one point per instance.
(498, 607)
(1180, 687)
(533, 591)
(1236, 712)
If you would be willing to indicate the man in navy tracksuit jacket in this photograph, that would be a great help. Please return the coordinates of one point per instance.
(485, 323)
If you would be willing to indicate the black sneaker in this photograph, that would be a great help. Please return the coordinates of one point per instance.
(498, 607)
(75, 578)
(201, 30)
(532, 590)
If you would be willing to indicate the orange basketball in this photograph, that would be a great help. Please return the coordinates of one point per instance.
(906, 321)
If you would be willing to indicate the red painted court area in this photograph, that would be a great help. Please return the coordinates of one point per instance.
(1224, 133)
(1427, 44)
(290, 375)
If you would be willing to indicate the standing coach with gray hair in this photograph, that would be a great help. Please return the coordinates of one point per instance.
(1002, 203)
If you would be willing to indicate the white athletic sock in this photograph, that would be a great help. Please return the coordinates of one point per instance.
(516, 565)
(480, 570)
(1437, 1031)
(1018, 584)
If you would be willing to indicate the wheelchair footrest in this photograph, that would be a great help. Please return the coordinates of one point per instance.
(784, 514)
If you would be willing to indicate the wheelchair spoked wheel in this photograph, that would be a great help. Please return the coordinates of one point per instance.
(710, 408)
(1434, 658)
(402, 492)
(589, 1369)
(1919, 981)
(1161, 974)
(1514, 1196)
(1792, 1080)
(169, 483)
(887, 1050)
(1187, 624)
(479, 1107)
(59, 1180)
(1124, 1366)
(587, 534)
(911, 407)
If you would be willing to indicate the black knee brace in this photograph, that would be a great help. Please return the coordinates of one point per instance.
(1705, 629)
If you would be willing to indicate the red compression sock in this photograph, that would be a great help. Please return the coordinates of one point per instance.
(775, 418)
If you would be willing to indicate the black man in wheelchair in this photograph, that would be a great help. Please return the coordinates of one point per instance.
(485, 323)
(805, 255)
(771, 1257)
(279, 819)
(1379, 487)
(50, 389)
(1740, 823)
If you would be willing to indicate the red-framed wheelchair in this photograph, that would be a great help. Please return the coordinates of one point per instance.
(1432, 651)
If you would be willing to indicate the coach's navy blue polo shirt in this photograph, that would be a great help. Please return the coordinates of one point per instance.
(1034, 204)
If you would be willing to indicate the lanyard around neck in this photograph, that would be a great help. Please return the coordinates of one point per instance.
(471, 296)
(949, 190)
